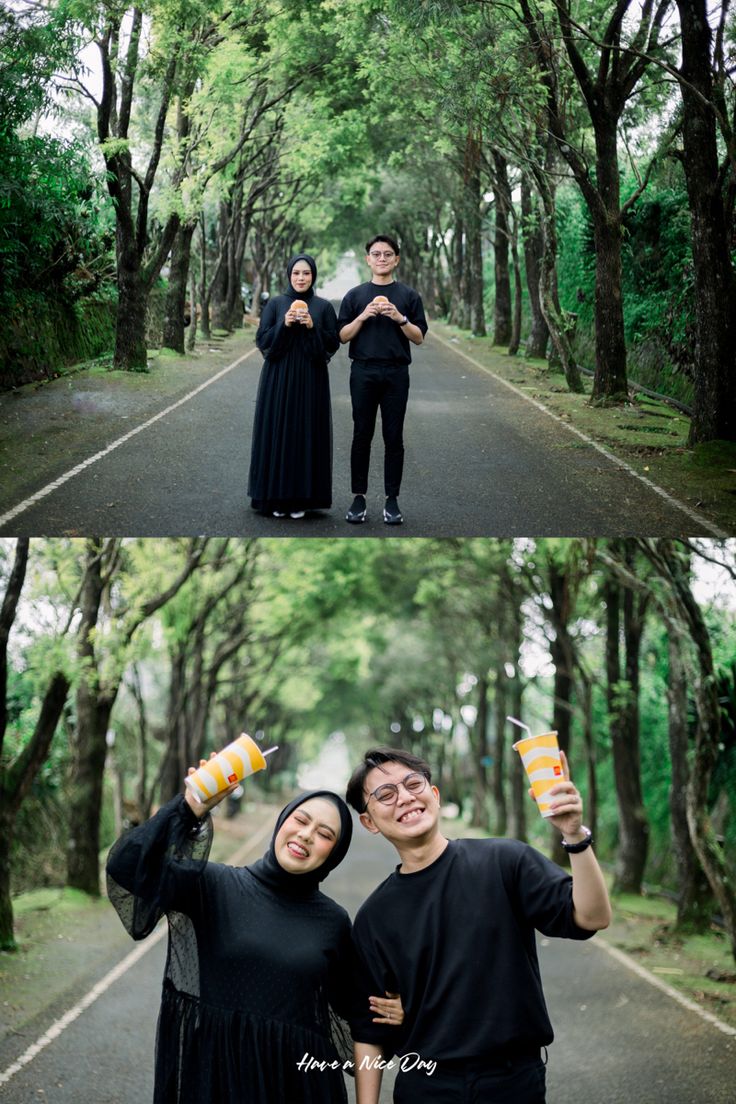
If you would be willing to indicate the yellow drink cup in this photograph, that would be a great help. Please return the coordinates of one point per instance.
(234, 763)
(541, 758)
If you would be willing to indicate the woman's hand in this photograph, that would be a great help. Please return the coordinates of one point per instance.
(201, 808)
(302, 317)
(388, 1009)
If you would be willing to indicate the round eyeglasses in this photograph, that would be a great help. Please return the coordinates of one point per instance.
(388, 793)
(377, 256)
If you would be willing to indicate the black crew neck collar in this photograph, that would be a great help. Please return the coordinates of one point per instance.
(425, 870)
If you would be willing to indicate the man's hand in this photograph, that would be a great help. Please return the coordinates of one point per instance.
(568, 805)
(391, 312)
(371, 311)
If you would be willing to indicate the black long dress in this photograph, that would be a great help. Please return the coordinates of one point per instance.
(251, 975)
(291, 453)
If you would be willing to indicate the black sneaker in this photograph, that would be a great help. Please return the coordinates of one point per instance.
(391, 513)
(358, 511)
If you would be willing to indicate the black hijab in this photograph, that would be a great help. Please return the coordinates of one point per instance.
(305, 295)
(268, 869)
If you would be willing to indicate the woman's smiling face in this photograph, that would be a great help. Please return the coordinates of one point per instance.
(307, 836)
(301, 276)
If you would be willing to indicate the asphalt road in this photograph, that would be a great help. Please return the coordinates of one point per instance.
(480, 461)
(619, 1039)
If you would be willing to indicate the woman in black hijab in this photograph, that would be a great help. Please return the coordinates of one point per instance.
(291, 454)
(260, 963)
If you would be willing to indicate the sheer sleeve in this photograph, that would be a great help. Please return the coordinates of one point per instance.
(273, 336)
(157, 867)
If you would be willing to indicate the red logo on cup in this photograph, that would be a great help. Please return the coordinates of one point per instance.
(232, 778)
(558, 770)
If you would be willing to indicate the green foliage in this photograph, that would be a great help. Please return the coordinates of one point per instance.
(54, 238)
(657, 284)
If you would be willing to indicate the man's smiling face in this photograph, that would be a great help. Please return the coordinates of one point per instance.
(412, 817)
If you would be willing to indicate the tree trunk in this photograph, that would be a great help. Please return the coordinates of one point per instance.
(204, 296)
(474, 224)
(89, 747)
(623, 713)
(562, 660)
(518, 788)
(459, 308)
(634, 829)
(533, 242)
(130, 325)
(218, 292)
(695, 901)
(176, 297)
(518, 784)
(548, 297)
(516, 322)
(591, 807)
(500, 826)
(715, 284)
(15, 781)
(502, 305)
(610, 347)
(192, 335)
(479, 815)
(707, 743)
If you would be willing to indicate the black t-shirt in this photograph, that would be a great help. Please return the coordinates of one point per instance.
(456, 940)
(381, 340)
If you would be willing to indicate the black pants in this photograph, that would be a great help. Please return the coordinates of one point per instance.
(519, 1081)
(374, 385)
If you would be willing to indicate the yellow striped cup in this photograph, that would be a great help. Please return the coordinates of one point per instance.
(234, 763)
(541, 758)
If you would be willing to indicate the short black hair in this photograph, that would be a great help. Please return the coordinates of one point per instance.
(383, 238)
(375, 758)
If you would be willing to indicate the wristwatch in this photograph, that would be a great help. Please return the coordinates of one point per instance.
(576, 848)
(404, 322)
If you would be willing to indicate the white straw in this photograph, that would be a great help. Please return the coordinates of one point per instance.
(520, 725)
(270, 751)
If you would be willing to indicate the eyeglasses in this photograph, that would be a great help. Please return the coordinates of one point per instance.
(377, 256)
(388, 793)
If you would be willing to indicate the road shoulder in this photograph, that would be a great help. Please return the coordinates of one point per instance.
(647, 434)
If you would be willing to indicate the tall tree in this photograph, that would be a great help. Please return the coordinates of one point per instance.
(712, 215)
(17, 775)
(606, 88)
(103, 659)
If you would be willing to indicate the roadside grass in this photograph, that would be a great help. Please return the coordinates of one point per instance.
(700, 966)
(648, 434)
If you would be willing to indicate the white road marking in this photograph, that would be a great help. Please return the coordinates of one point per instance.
(619, 463)
(629, 962)
(51, 487)
(117, 971)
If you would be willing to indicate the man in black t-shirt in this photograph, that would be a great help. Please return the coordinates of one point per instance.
(379, 332)
(453, 931)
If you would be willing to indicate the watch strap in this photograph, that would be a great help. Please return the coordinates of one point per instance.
(576, 848)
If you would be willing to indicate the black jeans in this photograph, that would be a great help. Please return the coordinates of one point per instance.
(518, 1081)
(374, 385)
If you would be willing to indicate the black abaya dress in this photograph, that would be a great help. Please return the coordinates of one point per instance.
(291, 453)
(253, 978)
